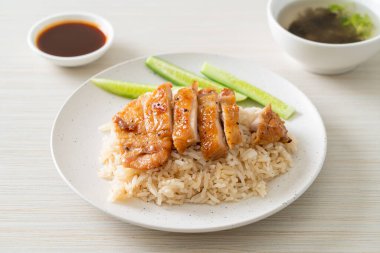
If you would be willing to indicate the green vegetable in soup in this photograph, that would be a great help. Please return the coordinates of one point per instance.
(362, 23)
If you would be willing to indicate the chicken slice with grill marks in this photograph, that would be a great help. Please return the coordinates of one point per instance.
(185, 132)
(230, 117)
(268, 128)
(130, 130)
(213, 145)
(158, 126)
(144, 129)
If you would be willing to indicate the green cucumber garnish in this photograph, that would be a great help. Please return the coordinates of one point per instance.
(183, 77)
(124, 89)
(254, 93)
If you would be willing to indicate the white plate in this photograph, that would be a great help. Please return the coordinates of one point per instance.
(76, 144)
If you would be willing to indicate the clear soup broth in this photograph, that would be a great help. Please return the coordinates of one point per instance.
(312, 20)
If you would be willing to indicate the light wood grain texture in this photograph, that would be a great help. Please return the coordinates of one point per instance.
(39, 213)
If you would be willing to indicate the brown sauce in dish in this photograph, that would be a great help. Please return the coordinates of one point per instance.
(71, 38)
(322, 25)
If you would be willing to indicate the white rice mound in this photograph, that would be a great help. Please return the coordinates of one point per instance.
(188, 178)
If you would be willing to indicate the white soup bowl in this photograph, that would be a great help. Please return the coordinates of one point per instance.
(322, 58)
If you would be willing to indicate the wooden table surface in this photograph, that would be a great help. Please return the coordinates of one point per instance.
(38, 212)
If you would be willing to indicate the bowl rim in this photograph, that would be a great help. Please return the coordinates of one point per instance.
(271, 16)
(81, 16)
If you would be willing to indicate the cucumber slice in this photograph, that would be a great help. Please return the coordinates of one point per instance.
(254, 93)
(124, 89)
(183, 77)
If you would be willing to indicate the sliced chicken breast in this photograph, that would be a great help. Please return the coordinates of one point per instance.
(144, 129)
(230, 117)
(268, 128)
(213, 145)
(130, 130)
(185, 132)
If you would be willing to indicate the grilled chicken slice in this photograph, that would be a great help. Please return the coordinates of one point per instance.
(185, 132)
(268, 128)
(130, 130)
(230, 117)
(144, 129)
(158, 125)
(213, 145)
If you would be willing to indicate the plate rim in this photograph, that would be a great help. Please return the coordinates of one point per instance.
(285, 204)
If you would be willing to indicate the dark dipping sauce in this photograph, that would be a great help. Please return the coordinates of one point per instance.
(71, 38)
(322, 25)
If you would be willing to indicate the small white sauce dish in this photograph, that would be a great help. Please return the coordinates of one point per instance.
(71, 61)
(323, 58)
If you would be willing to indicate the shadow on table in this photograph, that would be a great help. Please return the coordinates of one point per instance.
(116, 54)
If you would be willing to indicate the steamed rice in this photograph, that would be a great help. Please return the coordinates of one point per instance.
(188, 178)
